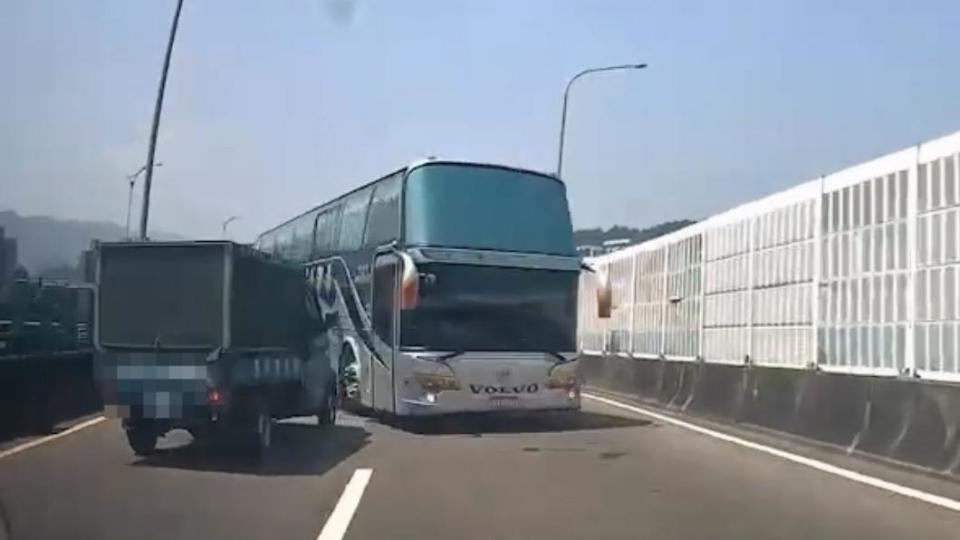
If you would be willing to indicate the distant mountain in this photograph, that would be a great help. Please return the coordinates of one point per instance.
(597, 236)
(47, 243)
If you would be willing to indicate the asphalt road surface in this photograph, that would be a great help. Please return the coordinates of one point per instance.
(609, 474)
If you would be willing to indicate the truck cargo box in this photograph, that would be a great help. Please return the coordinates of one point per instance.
(198, 295)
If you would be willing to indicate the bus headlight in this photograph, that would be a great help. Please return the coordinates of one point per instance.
(435, 383)
(563, 376)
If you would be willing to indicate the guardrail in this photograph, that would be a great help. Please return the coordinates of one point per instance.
(39, 390)
(900, 419)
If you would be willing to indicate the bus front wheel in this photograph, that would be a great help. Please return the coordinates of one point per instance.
(349, 380)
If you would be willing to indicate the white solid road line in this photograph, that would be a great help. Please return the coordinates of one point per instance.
(37, 442)
(339, 520)
(904, 491)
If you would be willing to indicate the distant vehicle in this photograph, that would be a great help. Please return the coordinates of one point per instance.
(616, 244)
(588, 250)
(445, 287)
(212, 337)
(42, 318)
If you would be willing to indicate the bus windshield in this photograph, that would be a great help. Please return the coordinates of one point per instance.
(487, 308)
(484, 207)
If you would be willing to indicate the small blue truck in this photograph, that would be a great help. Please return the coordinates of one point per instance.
(209, 336)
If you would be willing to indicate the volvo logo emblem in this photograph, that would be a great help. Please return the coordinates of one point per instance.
(503, 375)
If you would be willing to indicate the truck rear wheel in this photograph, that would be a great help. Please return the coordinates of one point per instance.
(261, 439)
(327, 414)
(142, 440)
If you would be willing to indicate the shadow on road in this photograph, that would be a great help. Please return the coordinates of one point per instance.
(298, 449)
(5, 532)
(480, 424)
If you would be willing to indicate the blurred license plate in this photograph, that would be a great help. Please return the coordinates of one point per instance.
(158, 405)
(503, 401)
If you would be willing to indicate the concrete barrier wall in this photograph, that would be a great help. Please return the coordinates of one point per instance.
(38, 391)
(908, 420)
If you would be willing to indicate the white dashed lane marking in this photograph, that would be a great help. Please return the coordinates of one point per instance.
(339, 520)
(37, 442)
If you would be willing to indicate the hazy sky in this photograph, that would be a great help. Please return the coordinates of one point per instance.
(273, 107)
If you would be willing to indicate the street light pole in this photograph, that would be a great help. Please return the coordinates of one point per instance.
(145, 212)
(223, 226)
(132, 178)
(566, 96)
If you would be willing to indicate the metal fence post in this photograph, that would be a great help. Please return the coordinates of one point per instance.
(633, 301)
(703, 289)
(913, 213)
(664, 300)
(751, 279)
(818, 224)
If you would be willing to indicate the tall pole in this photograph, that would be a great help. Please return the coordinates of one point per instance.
(145, 212)
(566, 98)
(223, 226)
(132, 179)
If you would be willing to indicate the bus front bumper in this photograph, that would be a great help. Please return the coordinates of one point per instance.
(452, 402)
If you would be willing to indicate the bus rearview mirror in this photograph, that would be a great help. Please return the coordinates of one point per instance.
(409, 282)
(604, 296)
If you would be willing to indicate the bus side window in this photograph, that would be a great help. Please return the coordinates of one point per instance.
(325, 230)
(264, 243)
(353, 220)
(302, 233)
(284, 241)
(383, 224)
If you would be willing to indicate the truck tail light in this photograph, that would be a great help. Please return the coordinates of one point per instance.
(214, 397)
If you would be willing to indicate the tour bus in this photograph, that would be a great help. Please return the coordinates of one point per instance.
(444, 287)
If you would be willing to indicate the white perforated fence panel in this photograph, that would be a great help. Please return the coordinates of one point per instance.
(726, 320)
(855, 272)
(938, 266)
(783, 277)
(648, 303)
(618, 335)
(682, 318)
(590, 328)
(865, 271)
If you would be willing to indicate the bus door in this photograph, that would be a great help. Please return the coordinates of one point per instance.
(386, 279)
